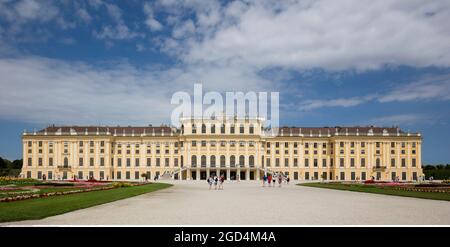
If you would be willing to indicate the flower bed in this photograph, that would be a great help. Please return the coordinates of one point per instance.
(78, 190)
(14, 180)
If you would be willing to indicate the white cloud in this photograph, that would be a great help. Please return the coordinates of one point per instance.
(431, 88)
(84, 15)
(118, 32)
(403, 119)
(309, 105)
(328, 34)
(41, 90)
(428, 88)
(151, 22)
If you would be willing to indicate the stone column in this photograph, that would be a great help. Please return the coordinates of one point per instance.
(228, 173)
(198, 174)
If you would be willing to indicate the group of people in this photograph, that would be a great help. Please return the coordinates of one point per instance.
(271, 180)
(216, 181)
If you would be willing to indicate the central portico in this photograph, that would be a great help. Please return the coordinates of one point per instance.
(229, 146)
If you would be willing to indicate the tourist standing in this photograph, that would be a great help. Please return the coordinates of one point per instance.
(210, 181)
(280, 179)
(216, 179)
(264, 180)
(287, 180)
(222, 179)
(269, 178)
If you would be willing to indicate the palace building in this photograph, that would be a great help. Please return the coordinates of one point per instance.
(238, 148)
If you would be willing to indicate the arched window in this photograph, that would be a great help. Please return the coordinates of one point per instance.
(194, 129)
(203, 129)
(212, 161)
(203, 161)
(232, 161)
(242, 161)
(252, 129)
(251, 161)
(241, 129)
(232, 129)
(194, 161)
(66, 162)
(222, 129)
(222, 161)
(378, 162)
(213, 129)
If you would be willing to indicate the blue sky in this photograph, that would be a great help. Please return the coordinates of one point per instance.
(349, 62)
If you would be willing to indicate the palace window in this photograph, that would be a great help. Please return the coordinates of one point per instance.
(241, 129)
(242, 161)
(194, 129)
(194, 161)
(203, 129)
(222, 161)
(252, 129)
(212, 161)
(203, 161)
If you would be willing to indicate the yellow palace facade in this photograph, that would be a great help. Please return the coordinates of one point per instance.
(236, 148)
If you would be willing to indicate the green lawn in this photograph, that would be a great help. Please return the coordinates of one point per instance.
(44, 207)
(378, 190)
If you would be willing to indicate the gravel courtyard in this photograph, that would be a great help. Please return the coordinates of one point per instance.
(248, 203)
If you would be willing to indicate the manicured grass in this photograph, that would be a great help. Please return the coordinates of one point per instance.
(44, 207)
(380, 190)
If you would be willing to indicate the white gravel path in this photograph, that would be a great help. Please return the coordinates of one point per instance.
(248, 203)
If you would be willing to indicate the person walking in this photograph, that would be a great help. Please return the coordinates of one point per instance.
(264, 180)
(269, 178)
(216, 179)
(280, 179)
(287, 180)
(222, 179)
(210, 181)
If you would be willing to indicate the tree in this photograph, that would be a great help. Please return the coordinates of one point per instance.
(3, 164)
(17, 164)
